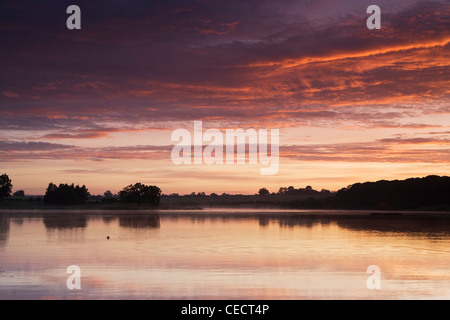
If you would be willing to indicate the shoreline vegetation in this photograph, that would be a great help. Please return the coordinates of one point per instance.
(428, 194)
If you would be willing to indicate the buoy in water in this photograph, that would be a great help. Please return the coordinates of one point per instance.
(107, 237)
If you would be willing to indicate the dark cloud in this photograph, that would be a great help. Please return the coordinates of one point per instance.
(284, 61)
(12, 146)
(18, 151)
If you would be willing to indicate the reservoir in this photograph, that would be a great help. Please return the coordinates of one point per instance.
(224, 254)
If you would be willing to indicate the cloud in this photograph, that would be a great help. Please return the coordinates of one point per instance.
(198, 60)
(11, 146)
(415, 141)
(10, 94)
(158, 65)
(94, 133)
(427, 148)
(396, 149)
(16, 151)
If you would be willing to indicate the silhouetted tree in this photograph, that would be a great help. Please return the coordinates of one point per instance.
(109, 197)
(65, 194)
(108, 194)
(5, 186)
(263, 192)
(292, 191)
(414, 193)
(140, 193)
(19, 194)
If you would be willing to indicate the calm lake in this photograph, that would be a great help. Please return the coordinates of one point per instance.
(224, 254)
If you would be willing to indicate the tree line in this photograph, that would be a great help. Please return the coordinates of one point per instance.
(432, 192)
(65, 194)
(413, 193)
(293, 191)
(428, 193)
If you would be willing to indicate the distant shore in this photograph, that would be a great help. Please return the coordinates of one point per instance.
(428, 194)
(228, 211)
(230, 202)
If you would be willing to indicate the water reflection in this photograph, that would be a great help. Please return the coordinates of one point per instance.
(4, 229)
(223, 255)
(17, 221)
(108, 218)
(398, 223)
(65, 221)
(151, 221)
(295, 221)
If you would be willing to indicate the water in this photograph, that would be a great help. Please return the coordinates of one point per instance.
(224, 254)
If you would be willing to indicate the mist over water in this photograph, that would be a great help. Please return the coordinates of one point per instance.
(224, 254)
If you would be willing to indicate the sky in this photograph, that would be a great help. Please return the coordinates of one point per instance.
(98, 106)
